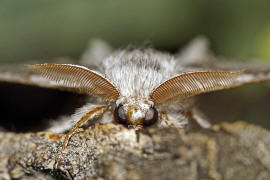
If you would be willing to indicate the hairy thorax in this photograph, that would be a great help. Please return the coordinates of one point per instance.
(136, 73)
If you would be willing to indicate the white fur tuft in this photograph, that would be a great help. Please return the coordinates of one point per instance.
(136, 72)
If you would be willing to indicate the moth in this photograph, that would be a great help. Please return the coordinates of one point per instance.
(143, 87)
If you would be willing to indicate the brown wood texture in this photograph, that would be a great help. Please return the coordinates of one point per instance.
(227, 151)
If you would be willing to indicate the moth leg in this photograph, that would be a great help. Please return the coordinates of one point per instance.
(178, 120)
(200, 118)
(181, 119)
(92, 114)
(165, 118)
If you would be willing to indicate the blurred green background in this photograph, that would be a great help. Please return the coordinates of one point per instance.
(32, 29)
(42, 29)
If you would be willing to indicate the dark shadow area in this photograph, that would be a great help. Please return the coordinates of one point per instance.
(28, 108)
(249, 103)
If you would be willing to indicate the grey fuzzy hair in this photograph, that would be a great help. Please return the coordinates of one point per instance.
(136, 73)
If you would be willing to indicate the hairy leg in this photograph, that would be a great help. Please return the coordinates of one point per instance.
(178, 120)
(94, 111)
(200, 118)
(181, 119)
(91, 114)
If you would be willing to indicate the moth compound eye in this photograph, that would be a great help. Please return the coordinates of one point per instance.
(151, 117)
(119, 115)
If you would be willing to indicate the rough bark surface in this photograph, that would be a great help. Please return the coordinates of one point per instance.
(227, 151)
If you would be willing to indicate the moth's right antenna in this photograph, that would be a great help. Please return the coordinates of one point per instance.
(190, 84)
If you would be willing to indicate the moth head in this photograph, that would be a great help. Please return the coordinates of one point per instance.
(135, 112)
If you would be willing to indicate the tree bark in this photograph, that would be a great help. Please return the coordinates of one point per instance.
(226, 151)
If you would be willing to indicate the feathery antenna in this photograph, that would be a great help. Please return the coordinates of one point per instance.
(193, 83)
(78, 77)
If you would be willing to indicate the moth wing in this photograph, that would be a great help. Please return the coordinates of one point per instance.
(78, 78)
(197, 56)
(96, 51)
(255, 71)
(21, 75)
